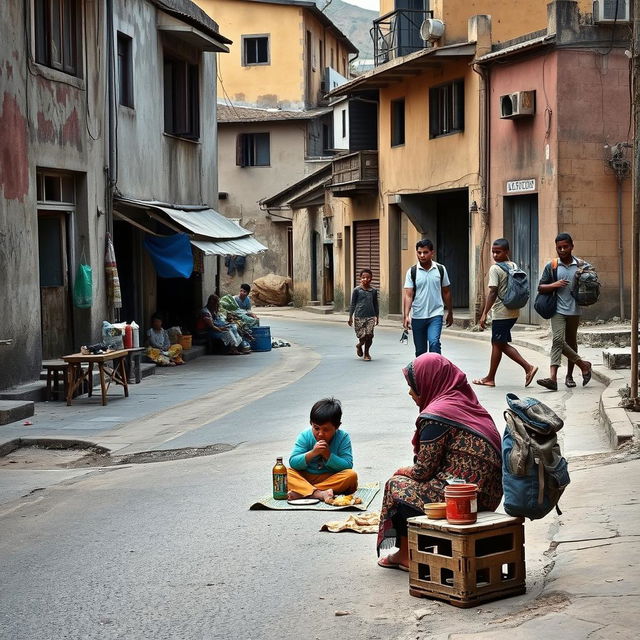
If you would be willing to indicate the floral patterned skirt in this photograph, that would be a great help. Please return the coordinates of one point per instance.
(364, 327)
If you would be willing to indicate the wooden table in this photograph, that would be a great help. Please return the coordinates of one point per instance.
(117, 372)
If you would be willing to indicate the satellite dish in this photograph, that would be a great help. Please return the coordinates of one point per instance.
(431, 30)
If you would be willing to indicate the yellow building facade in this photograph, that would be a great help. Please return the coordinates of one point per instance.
(430, 181)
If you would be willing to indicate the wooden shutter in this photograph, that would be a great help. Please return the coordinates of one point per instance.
(240, 150)
(367, 249)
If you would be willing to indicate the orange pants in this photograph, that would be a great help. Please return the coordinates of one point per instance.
(306, 483)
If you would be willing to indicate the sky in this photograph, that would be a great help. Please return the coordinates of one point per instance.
(374, 5)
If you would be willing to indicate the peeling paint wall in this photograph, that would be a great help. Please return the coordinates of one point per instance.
(45, 119)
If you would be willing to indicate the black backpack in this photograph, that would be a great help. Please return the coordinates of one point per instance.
(414, 273)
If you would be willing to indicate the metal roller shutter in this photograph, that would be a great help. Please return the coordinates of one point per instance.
(367, 249)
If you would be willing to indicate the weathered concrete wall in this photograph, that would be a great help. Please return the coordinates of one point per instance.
(593, 112)
(154, 165)
(564, 148)
(46, 117)
(305, 223)
(246, 186)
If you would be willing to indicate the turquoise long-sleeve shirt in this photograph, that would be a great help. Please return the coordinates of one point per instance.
(341, 454)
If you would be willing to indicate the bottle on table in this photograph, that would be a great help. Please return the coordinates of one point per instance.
(279, 480)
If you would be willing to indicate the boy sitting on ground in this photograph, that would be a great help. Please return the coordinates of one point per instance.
(321, 461)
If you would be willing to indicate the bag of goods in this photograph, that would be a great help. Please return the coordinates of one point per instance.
(272, 290)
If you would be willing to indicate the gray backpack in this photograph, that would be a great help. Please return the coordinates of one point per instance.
(517, 294)
(534, 472)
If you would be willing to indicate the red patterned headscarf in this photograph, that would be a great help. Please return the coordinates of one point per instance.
(445, 394)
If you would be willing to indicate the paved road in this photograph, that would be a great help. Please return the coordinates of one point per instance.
(169, 550)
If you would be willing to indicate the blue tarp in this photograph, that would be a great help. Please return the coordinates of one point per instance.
(171, 255)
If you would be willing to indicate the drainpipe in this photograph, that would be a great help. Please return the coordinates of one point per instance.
(482, 208)
(635, 211)
(110, 170)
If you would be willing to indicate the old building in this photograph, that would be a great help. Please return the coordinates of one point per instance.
(99, 101)
(436, 143)
(559, 154)
(275, 127)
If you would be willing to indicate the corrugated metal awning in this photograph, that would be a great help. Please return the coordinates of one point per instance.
(238, 247)
(209, 230)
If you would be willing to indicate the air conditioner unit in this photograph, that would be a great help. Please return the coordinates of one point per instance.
(431, 30)
(518, 104)
(605, 11)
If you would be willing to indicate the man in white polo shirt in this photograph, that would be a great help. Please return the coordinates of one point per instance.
(427, 292)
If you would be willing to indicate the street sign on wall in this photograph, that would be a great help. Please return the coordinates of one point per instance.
(521, 186)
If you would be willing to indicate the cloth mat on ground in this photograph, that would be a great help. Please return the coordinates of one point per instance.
(359, 523)
(366, 492)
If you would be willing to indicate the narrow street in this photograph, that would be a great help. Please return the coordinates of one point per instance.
(170, 549)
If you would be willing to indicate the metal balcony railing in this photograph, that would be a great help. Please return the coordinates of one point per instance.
(397, 33)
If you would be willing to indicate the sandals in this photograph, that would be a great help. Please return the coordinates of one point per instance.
(548, 383)
(388, 564)
(482, 383)
(530, 376)
(569, 382)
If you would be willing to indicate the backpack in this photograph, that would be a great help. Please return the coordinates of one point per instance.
(534, 472)
(414, 273)
(586, 286)
(517, 293)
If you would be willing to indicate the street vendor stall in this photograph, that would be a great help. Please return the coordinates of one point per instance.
(77, 376)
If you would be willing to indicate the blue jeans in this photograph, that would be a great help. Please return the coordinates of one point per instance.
(426, 334)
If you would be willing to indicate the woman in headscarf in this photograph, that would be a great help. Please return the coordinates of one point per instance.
(455, 438)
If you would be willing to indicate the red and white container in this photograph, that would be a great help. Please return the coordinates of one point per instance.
(462, 503)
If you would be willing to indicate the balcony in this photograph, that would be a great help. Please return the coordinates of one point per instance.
(397, 34)
(354, 173)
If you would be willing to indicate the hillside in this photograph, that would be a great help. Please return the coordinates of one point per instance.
(354, 22)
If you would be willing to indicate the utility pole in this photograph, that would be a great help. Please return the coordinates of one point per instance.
(635, 210)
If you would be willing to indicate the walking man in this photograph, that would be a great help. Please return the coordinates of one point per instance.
(427, 292)
(503, 318)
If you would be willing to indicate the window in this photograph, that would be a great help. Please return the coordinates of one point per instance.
(397, 122)
(446, 109)
(125, 71)
(255, 50)
(56, 25)
(344, 123)
(181, 98)
(253, 150)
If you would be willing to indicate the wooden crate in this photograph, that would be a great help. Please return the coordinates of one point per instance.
(466, 565)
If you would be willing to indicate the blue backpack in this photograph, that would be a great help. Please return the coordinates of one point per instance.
(534, 472)
(517, 294)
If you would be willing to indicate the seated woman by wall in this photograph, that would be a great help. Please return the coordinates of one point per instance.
(213, 325)
(159, 347)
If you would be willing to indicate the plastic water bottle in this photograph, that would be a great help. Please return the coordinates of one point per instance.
(136, 334)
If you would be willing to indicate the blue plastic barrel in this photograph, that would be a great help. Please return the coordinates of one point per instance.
(261, 339)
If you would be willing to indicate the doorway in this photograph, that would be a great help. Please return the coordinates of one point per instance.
(521, 230)
(452, 242)
(55, 299)
(367, 250)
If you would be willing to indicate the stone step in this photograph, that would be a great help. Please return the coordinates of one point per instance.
(196, 351)
(602, 336)
(617, 358)
(14, 410)
(323, 309)
(32, 391)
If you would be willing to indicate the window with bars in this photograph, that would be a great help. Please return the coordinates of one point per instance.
(446, 109)
(57, 34)
(181, 98)
(253, 150)
(125, 70)
(255, 50)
